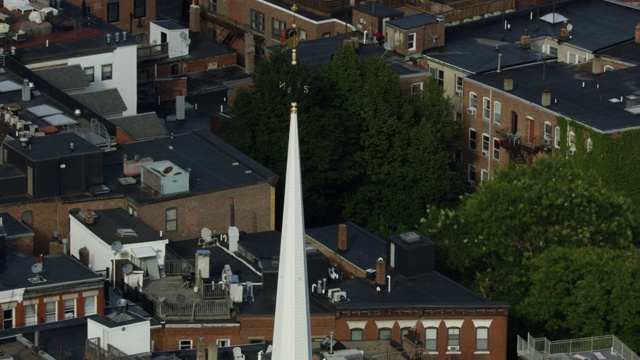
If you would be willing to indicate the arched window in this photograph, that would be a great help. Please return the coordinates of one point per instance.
(384, 334)
(356, 334)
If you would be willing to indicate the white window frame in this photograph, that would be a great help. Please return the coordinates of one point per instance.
(222, 342)
(486, 144)
(411, 41)
(171, 222)
(12, 318)
(547, 132)
(257, 21)
(185, 344)
(496, 149)
(574, 58)
(90, 310)
(557, 139)
(486, 108)
(68, 313)
(431, 338)
(473, 100)
(571, 139)
(415, 86)
(482, 335)
(213, 6)
(484, 175)
(459, 82)
(453, 336)
(48, 313)
(497, 112)
(30, 317)
(471, 170)
(607, 68)
(90, 71)
(589, 144)
(473, 139)
(106, 72)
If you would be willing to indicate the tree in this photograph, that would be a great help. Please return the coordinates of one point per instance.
(585, 291)
(524, 210)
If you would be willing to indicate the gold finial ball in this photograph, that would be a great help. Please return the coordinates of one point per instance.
(294, 107)
(294, 7)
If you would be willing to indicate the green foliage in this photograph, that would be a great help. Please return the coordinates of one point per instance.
(523, 211)
(585, 291)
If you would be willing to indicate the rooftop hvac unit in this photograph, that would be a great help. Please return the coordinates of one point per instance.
(331, 291)
(338, 296)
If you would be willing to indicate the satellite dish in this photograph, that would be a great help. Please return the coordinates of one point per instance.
(162, 298)
(184, 35)
(36, 268)
(122, 302)
(127, 269)
(116, 246)
(569, 27)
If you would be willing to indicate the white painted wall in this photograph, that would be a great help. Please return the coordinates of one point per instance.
(100, 253)
(178, 46)
(131, 338)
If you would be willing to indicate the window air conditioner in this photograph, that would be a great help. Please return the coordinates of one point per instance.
(453, 348)
(572, 151)
(471, 111)
(485, 152)
(459, 93)
(547, 140)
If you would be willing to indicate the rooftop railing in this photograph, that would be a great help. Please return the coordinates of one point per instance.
(542, 348)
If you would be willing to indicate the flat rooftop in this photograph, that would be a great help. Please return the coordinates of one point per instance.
(109, 221)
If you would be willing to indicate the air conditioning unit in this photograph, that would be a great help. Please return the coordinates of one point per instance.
(471, 183)
(572, 151)
(547, 140)
(330, 292)
(485, 152)
(453, 348)
(471, 111)
(338, 296)
(459, 93)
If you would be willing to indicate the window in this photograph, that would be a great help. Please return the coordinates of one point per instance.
(213, 6)
(486, 108)
(497, 112)
(384, 334)
(531, 129)
(30, 314)
(27, 218)
(553, 51)
(185, 344)
(107, 73)
(70, 308)
(485, 144)
(472, 139)
(404, 332)
(276, 27)
(257, 21)
(302, 34)
(416, 89)
(88, 73)
(471, 175)
(223, 342)
(7, 319)
(484, 175)
(113, 11)
(437, 75)
(589, 144)
(556, 141)
(89, 305)
(573, 58)
(411, 41)
(327, 34)
(473, 100)
(51, 311)
(496, 149)
(572, 140)
(482, 339)
(607, 68)
(139, 8)
(431, 339)
(459, 85)
(356, 334)
(547, 133)
(172, 219)
(453, 336)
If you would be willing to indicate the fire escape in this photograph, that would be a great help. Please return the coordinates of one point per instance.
(521, 152)
(228, 30)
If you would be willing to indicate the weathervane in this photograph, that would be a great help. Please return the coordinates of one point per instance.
(292, 39)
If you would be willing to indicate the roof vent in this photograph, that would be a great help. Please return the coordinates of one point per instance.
(126, 232)
(410, 237)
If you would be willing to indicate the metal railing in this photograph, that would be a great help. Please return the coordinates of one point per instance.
(542, 348)
(213, 291)
(207, 308)
(179, 267)
(93, 351)
(152, 51)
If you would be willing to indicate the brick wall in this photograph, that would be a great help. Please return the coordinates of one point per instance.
(166, 338)
(99, 9)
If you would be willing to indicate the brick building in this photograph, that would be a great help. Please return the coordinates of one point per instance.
(132, 16)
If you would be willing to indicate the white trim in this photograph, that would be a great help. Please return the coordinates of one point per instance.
(385, 324)
(9, 306)
(31, 302)
(90, 293)
(51, 298)
(299, 16)
(431, 323)
(482, 322)
(451, 323)
(407, 323)
(69, 296)
(356, 324)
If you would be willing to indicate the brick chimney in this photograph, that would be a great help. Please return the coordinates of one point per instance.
(194, 17)
(637, 38)
(201, 350)
(596, 65)
(525, 40)
(249, 53)
(89, 219)
(564, 33)
(508, 83)
(342, 237)
(381, 272)
(546, 98)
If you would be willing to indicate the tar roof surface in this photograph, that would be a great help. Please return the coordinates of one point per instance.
(57, 269)
(13, 228)
(472, 46)
(209, 158)
(589, 105)
(628, 53)
(379, 10)
(53, 146)
(115, 319)
(65, 78)
(110, 220)
(50, 339)
(413, 21)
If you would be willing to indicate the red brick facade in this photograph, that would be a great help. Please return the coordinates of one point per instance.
(123, 20)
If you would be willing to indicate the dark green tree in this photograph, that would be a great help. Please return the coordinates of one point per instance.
(585, 291)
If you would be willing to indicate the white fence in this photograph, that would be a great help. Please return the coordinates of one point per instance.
(543, 349)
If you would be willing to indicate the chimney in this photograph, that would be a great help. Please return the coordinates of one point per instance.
(201, 352)
(637, 38)
(525, 40)
(249, 52)
(381, 272)
(212, 352)
(342, 237)
(194, 17)
(508, 83)
(564, 33)
(546, 98)
(596, 65)
(41, 259)
(89, 219)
